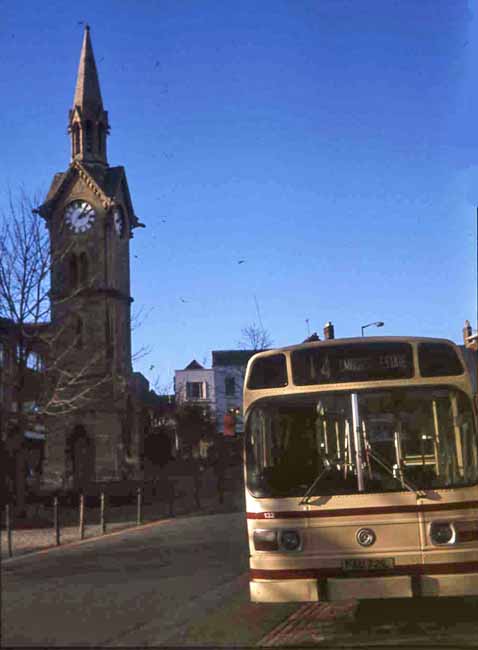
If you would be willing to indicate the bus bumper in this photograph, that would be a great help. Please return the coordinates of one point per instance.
(334, 589)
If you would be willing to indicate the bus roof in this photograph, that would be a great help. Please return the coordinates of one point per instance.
(358, 339)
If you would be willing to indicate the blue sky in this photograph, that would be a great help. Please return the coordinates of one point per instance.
(330, 144)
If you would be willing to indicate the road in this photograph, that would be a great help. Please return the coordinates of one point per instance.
(184, 582)
(158, 585)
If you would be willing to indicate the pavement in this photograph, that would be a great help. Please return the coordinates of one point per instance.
(35, 532)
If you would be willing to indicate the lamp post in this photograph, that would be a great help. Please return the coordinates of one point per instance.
(377, 323)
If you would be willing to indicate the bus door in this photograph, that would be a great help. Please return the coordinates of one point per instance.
(448, 515)
(365, 521)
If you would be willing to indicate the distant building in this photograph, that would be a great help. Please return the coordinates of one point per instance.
(229, 368)
(22, 447)
(195, 384)
(220, 387)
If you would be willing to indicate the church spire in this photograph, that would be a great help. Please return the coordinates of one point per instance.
(88, 121)
(87, 91)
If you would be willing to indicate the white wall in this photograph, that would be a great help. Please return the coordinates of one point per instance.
(205, 376)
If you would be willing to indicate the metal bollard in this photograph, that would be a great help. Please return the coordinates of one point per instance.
(82, 516)
(102, 514)
(8, 521)
(139, 507)
(56, 519)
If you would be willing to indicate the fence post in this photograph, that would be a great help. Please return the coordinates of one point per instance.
(102, 513)
(8, 522)
(56, 519)
(82, 515)
(139, 506)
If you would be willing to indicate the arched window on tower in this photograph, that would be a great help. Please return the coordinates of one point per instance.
(89, 136)
(101, 138)
(83, 268)
(108, 334)
(73, 271)
(76, 139)
(79, 333)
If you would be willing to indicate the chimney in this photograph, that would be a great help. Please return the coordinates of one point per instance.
(467, 332)
(329, 331)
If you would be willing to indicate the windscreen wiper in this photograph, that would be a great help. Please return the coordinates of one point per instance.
(409, 485)
(327, 468)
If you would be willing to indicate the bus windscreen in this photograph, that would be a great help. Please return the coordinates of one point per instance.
(438, 360)
(268, 372)
(352, 363)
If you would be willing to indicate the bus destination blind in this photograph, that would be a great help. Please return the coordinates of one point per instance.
(350, 363)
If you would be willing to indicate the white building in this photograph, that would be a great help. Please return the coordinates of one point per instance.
(219, 387)
(194, 384)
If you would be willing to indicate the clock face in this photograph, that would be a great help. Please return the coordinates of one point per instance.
(79, 215)
(119, 221)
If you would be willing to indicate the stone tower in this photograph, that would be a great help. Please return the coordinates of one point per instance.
(90, 218)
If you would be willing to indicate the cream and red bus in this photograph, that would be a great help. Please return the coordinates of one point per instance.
(361, 471)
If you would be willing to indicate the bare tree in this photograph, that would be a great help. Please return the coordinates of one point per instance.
(138, 317)
(255, 337)
(193, 422)
(63, 381)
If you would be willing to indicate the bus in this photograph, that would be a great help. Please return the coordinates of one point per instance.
(361, 471)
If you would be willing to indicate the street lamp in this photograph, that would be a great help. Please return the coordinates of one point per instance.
(377, 323)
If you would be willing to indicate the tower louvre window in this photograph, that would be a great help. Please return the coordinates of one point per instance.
(101, 138)
(76, 139)
(73, 271)
(89, 135)
(108, 334)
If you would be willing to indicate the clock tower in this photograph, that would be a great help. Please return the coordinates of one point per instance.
(90, 217)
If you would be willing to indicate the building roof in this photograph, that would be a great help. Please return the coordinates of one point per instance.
(231, 357)
(107, 182)
(194, 365)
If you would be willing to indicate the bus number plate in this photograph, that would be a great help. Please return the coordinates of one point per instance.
(368, 564)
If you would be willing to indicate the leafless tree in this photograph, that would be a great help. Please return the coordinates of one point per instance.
(138, 317)
(255, 337)
(26, 261)
(193, 422)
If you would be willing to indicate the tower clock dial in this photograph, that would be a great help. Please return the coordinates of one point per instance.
(119, 221)
(79, 216)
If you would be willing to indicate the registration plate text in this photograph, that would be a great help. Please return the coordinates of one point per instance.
(368, 564)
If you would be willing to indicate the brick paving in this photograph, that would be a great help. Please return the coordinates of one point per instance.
(340, 624)
(310, 624)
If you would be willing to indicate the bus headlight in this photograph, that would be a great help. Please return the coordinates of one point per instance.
(442, 533)
(290, 540)
(265, 540)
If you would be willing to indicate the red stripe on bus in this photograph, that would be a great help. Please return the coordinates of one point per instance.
(337, 572)
(467, 536)
(347, 512)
